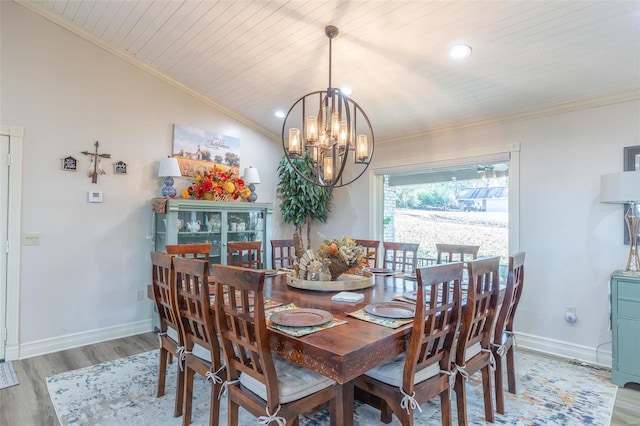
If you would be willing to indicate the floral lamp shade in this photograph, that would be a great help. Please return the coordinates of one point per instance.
(169, 168)
(252, 177)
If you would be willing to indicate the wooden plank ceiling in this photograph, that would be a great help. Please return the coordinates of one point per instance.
(255, 57)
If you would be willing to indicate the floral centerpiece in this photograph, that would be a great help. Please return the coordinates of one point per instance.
(339, 255)
(217, 184)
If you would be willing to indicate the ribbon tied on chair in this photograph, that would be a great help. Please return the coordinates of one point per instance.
(409, 402)
(265, 420)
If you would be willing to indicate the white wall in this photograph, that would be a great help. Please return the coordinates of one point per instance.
(67, 93)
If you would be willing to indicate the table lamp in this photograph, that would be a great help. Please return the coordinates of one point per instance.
(169, 168)
(251, 177)
(624, 188)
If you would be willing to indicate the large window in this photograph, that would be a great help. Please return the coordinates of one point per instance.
(463, 204)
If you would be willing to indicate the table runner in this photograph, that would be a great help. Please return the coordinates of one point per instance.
(298, 331)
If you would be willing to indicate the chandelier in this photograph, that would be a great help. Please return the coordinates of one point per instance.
(329, 130)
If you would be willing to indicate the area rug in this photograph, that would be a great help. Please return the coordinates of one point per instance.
(8, 375)
(122, 392)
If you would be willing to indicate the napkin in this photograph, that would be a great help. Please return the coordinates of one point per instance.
(345, 296)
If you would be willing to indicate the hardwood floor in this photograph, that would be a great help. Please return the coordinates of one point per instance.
(28, 404)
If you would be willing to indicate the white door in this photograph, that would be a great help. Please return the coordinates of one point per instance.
(4, 190)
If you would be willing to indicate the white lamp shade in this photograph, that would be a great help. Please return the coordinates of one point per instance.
(620, 187)
(169, 167)
(251, 175)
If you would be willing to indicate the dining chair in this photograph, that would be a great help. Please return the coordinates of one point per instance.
(400, 257)
(371, 247)
(201, 346)
(473, 351)
(503, 337)
(283, 253)
(424, 371)
(244, 253)
(456, 252)
(170, 336)
(198, 251)
(269, 387)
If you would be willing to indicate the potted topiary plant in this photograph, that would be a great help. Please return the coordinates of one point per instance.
(302, 201)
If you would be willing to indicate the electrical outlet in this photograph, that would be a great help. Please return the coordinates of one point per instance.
(570, 314)
(31, 239)
(140, 295)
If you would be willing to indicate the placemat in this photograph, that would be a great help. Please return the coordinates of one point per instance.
(298, 331)
(401, 298)
(386, 322)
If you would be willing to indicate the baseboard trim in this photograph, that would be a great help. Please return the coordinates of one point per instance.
(566, 350)
(69, 341)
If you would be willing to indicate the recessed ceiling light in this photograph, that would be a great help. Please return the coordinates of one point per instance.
(280, 114)
(460, 51)
(346, 90)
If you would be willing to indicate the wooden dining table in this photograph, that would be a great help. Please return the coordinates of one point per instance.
(344, 352)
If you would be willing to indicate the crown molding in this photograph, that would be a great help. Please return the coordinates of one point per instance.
(613, 98)
(133, 60)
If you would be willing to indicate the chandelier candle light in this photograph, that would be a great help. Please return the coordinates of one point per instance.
(334, 128)
(624, 188)
(169, 168)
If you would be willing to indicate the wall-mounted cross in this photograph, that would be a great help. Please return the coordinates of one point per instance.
(95, 168)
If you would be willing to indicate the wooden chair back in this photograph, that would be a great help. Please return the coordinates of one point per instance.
(503, 338)
(243, 329)
(245, 253)
(283, 253)
(482, 301)
(193, 297)
(199, 328)
(371, 249)
(198, 251)
(401, 257)
(512, 294)
(436, 324)
(164, 294)
(456, 252)
(475, 333)
(163, 291)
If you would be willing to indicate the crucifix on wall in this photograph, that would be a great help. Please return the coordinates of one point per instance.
(95, 168)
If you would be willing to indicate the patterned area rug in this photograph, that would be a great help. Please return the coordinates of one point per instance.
(8, 376)
(122, 392)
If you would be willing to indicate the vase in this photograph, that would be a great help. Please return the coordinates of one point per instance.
(208, 196)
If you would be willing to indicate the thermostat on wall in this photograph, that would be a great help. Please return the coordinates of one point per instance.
(95, 196)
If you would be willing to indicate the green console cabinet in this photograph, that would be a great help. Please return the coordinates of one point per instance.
(625, 324)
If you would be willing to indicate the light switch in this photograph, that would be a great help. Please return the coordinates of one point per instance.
(31, 239)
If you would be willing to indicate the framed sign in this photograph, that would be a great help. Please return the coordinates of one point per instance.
(631, 163)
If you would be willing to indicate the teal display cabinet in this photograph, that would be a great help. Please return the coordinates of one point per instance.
(625, 325)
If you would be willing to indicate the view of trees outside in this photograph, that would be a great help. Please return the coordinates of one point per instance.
(442, 212)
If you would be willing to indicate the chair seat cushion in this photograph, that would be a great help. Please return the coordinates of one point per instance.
(198, 350)
(294, 382)
(472, 351)
(172, 333)
(391, 372)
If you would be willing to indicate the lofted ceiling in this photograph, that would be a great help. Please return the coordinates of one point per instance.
(255, 57)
